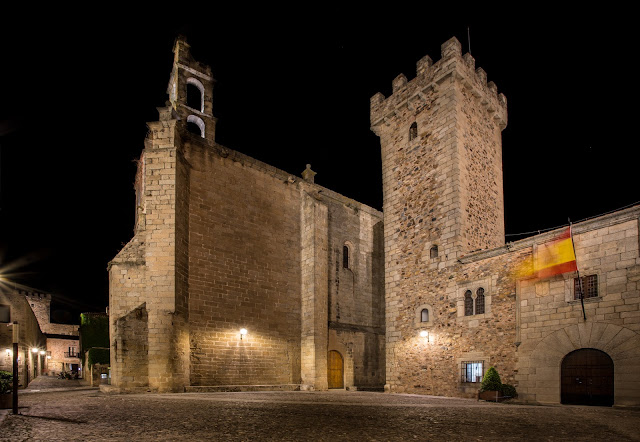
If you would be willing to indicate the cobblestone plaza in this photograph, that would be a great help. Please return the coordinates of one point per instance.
(333, 415)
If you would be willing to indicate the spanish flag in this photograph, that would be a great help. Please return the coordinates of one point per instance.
(555, 257)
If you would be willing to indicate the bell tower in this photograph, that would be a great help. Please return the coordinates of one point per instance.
(441, 142)
(190, 90)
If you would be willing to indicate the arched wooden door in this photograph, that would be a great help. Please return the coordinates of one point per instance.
(587, 378)
(335, 370)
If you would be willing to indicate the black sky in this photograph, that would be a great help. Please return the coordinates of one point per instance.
(293, 87)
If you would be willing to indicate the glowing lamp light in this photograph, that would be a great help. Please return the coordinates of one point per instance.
(42, 352)
(48, 357)
(34, 350)
(243, 332)
(9, 353)
(424, 334)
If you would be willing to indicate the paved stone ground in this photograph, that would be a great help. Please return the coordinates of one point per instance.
(300, 416)
(51, 383)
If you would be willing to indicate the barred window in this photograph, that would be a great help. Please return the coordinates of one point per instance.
(480, 301)
(589, 286)
(468, 303)
(424, 315)
(5, 313)
(472, 371)
(413, 131)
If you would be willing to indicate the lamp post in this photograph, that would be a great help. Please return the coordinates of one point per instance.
(15, 367)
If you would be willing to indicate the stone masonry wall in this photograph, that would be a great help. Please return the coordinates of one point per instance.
(356, 293)
(552, 324)
(129, 350)
(127, 282)
(314, 288)
(244, 271)
(435, 198)
(30, 336)
(58, 347)
(41, 305)
(482, 196)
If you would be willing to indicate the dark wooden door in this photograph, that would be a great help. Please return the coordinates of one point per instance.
(587, 378)
(335, 370)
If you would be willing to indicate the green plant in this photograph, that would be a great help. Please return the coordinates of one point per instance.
(491, 380)
(94, 331)
(6, 382)
(98, 356)
(508, 390)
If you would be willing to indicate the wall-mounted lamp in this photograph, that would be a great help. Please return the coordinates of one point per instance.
(42, 352)
(48, 357)
(243, 332)
(34, 350)
(424, 334)
(9, 353)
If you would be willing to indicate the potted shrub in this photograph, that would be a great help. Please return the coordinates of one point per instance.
(491, 389)
(508, 391)
(6, 388)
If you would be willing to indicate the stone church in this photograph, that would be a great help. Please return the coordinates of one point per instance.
(300, 287)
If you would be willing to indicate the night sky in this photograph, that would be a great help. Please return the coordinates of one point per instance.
(292, 88)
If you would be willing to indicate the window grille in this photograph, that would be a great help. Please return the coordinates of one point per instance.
(424, 315)
(472, 371)
(589, 286)
(480, 301)
(468, 303)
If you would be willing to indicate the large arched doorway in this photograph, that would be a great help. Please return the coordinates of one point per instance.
(587, 378)
(335, 370)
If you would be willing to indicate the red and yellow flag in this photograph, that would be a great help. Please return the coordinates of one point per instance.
(555, 257)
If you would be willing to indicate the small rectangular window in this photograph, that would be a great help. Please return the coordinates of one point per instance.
(589, 286)
(5, 313)
(472, 371)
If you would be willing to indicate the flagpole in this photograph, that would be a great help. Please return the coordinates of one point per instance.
(581, 292)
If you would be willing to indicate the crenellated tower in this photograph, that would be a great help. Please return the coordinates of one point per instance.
(441, 142)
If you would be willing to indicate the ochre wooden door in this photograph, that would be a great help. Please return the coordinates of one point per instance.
(335, 370)
(587, 378)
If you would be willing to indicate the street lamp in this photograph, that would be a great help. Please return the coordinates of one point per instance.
(16, 334)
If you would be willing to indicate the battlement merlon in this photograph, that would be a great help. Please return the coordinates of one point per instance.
(35, 295)
(430, 76)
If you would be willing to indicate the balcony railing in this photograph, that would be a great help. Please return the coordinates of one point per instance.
(70, 354)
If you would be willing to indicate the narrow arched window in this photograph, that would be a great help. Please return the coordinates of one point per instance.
(479, 301)
(468, 303)
(345, 257)
(433, 253)
(195, 94)
(413, 131)
(424, 315)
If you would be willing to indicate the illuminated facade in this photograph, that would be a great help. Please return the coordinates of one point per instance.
(327, 295)
(224, 243)
(445, 255)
